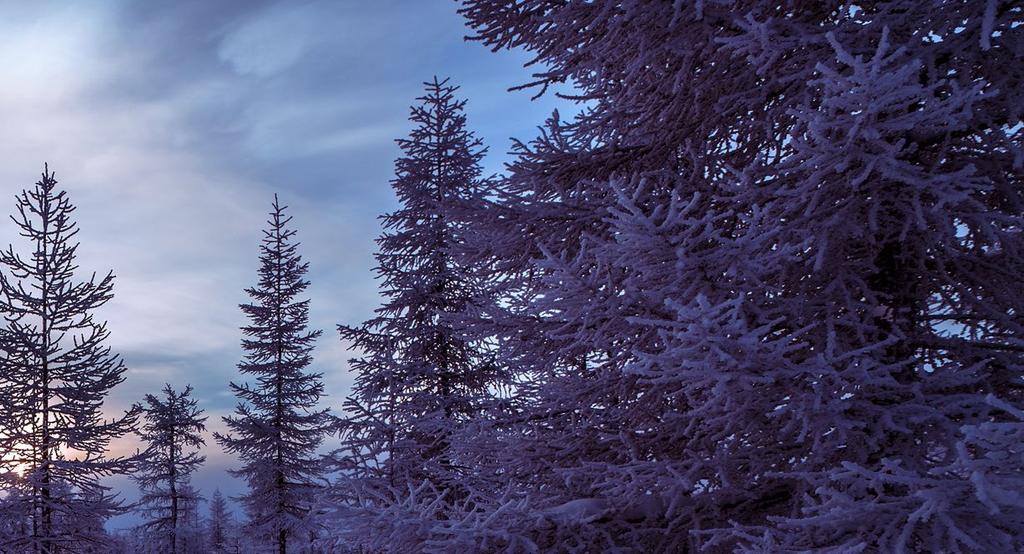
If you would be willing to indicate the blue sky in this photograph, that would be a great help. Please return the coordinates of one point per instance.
(173, 124)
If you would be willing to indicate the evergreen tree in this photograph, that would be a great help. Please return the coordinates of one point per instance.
(171, 430)
(277, 427)
(417, 378)
(57, 371)
(763, 289)
(219, 524)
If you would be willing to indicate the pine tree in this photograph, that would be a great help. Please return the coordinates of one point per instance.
(417, 378)
(277, 427)
(219, 526)
(171, 430)
(57, 371)
(762, 290)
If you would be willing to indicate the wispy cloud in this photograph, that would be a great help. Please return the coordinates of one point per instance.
(270, 40)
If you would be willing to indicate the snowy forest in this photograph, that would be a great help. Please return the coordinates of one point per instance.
(760, 293)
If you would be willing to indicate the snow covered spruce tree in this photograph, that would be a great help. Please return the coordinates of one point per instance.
(765, 285)
(417, 379)
(171, 429)
(56, 372)
(219, 526)
(277, 427)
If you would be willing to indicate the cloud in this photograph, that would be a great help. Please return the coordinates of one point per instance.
(297, 128)
(269, 41)
(46, 59)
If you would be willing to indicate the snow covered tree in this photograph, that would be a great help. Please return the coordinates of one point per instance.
(57, 371)
(277, 427)
(417, 378)
(219, 526)
(763, 289)
(171, 429)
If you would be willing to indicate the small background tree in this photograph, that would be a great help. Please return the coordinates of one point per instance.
(220, 526)
(172, 431)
